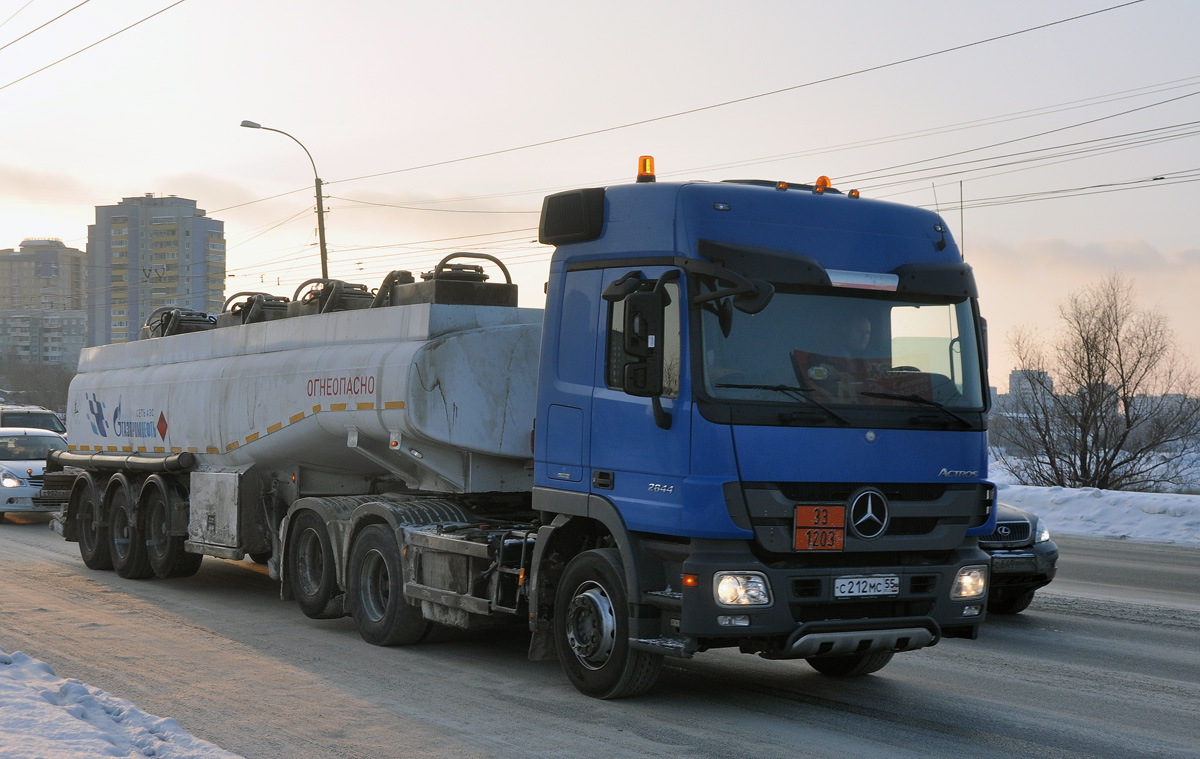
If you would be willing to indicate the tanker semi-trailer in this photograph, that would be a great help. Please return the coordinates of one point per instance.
(760, 423)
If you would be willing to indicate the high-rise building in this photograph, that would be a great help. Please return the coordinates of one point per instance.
(148, 253)
(43, 275)
(43, 317)
(38, 336)
(1028, 383)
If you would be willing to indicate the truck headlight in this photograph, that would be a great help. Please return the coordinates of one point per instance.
(971, 582)
(741, 589)
(9, 480)
(1041, 533)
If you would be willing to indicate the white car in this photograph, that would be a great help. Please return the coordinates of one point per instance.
(22, 461)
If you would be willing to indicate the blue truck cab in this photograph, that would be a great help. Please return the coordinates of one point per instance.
(761, 423)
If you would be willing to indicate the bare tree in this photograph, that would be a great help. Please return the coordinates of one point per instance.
(1109, 403)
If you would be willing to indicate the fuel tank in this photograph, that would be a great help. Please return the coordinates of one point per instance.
(439, 396)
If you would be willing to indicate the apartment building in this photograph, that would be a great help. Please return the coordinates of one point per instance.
(147, 253)
(43, 317)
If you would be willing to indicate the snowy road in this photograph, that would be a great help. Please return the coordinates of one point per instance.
(1105, 663)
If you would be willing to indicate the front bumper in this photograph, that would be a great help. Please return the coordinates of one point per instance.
(1030, 567)
(805, 618)
(21, 499)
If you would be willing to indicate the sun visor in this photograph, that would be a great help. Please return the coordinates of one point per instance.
(765, 263)
(953, 279)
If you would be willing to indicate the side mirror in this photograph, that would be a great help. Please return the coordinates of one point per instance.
(643, 338)
(983, 333)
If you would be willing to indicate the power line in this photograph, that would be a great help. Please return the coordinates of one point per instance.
(748, 98)
(868, 176)
(951, 128)
(713, 106)
(932, 131)
(16, 13)
(415, 208)
(1162, 180)
(89, 47)
(1083, 148)
(43, 26)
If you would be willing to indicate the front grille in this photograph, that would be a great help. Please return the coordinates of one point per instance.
(809, 588)
(1008, 534)
(912, 525)
(860, 610)
(841, 491)
(922, 584)
(35, 480)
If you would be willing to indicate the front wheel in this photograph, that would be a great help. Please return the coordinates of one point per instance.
(1005, 603)
(591, 629)
(852, 665)
(375, 591)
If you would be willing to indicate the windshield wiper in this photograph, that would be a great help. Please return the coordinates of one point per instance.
(792, 391)
(919, 400)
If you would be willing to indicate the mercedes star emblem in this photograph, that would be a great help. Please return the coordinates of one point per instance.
(869, 514)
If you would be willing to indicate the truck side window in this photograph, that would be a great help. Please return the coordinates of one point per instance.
(616, 358)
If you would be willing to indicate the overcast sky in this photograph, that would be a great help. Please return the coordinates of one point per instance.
(1056, 154)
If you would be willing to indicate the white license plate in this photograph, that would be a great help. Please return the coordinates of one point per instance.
(866, 585)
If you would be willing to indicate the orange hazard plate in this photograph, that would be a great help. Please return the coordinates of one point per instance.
(820, 528)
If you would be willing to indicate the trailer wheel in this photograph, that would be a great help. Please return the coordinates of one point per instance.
(591, 629)
(91, 530)
(375, 591)
(126, 542)
(851, 665)
(311, 570)
(165, 551)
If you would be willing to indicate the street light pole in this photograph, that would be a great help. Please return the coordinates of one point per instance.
(320, 202)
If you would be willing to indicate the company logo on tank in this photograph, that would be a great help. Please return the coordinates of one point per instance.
(146, 423)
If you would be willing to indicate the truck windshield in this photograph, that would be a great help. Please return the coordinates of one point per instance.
(840, 351)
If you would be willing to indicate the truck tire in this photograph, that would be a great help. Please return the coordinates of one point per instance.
(311, 569)
(591, 629)
(1009, 603)
(375, 591)
(852, 665)
(165, 551)
(92, 530)
(126, 541)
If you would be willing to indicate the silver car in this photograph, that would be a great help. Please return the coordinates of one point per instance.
(22, 461)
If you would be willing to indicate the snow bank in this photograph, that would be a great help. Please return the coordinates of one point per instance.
(1088, 512)
(1093, 513)
(44, 716)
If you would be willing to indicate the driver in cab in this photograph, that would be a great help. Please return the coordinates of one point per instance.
(840, 372)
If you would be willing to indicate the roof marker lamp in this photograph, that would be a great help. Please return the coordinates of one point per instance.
(822, 185)
(733, 589)
(971, 582)
(645, 169)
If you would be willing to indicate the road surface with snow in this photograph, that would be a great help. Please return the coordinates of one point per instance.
(304, 688)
